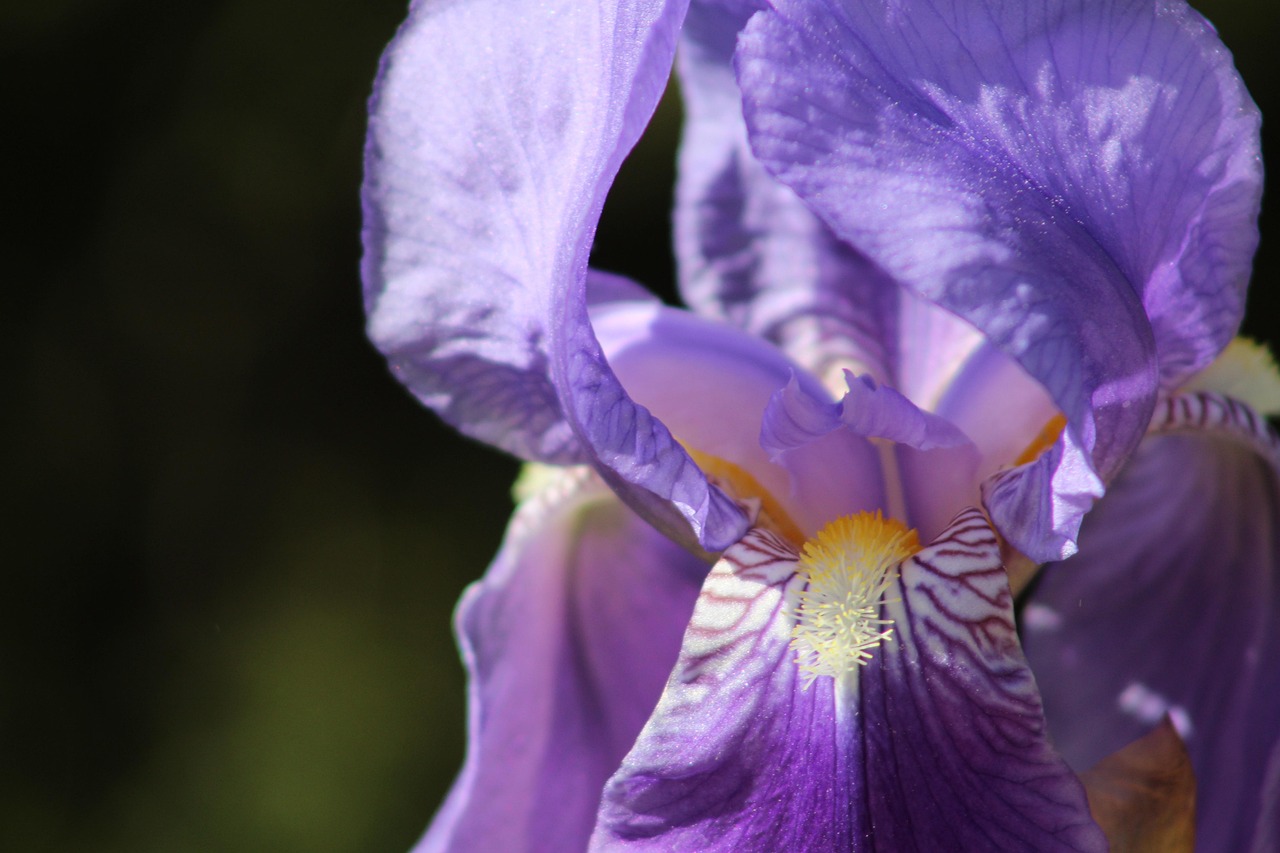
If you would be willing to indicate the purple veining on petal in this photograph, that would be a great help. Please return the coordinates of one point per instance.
(1209, 414)
(568, 640)
(956, 751)
(940, 747)
(737, 756)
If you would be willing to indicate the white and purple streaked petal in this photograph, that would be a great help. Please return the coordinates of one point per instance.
(710, 384)
(1091, 211)
(1172, 607)
(480, 204)
(940, 747)
(568, 639)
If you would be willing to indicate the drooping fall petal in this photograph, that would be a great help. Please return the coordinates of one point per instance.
(939, 744)
(568, 640)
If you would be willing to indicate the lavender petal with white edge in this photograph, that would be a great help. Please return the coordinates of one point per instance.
(1091, 210)
(495, 131)
(940, 747)
(568, 640)
(1173, 606)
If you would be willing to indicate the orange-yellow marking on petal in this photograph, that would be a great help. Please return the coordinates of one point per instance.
(1048, 436)
(740, 485)
(848, 567)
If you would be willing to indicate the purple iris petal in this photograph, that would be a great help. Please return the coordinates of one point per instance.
(795, 417)
(1091, 210)
(1173, 606)
(751, 252)
(710, 384)
(568, 640)
(487, 164)
(940, 747)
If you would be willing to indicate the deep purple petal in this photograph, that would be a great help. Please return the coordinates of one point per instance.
(710, 384)
(495, 131)
(568, 640)
(940, 747)
(1090, 209)
(1173, 606)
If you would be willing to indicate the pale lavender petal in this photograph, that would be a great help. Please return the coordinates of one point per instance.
(796, 416)
(496, 129)
(710, 384)
(568, 640)
(1173, 606)
(941, 747)
(1090, 209)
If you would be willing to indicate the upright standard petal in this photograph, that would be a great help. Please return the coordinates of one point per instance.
(568, 640)
(938, 745)
(1091, 210)
(496, 129)
(711, 383)
(1172, 607)
(751, 252)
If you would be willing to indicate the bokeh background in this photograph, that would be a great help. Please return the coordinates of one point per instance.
(231, 543)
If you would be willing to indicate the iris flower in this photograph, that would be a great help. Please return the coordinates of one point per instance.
(956, 271)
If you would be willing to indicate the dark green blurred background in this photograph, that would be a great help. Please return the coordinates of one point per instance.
(231, 543)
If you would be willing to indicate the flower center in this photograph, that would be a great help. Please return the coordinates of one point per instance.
(848, 567)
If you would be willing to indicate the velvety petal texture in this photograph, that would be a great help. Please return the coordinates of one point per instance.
(1086, 178)
(1172, 607)
(568, 641)
(938, 744)
(495, 131)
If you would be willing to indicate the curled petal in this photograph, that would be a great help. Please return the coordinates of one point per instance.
(938, 745)
(568, 640)
(495, 131)
(796, 417)
(1172, 607)
(1091, 211)
(710, 384)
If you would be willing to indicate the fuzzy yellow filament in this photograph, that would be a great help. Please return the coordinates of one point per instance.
(848, 567)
